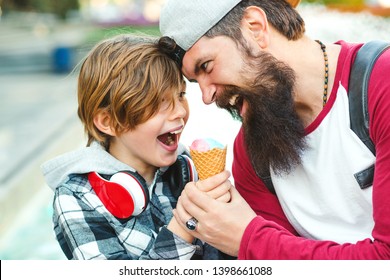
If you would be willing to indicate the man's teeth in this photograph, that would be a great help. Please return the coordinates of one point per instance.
(233, 100)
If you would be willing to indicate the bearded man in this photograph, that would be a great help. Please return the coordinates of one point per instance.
(297, 163)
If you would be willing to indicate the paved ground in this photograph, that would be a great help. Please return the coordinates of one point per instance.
(38, 121)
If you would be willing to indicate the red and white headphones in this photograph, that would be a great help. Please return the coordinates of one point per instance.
(126, 193)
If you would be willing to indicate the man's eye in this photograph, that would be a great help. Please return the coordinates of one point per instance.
(204, 66)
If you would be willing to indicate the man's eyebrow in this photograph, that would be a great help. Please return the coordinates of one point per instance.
(197, 66)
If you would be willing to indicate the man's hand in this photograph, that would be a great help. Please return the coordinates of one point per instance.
(220, 224)
(218, 187)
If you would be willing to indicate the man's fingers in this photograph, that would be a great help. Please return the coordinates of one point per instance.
(213, 181)
(225, 197)
(235, 195)
(220, 191)
(195, 200)
(186, 207)
(181, 213)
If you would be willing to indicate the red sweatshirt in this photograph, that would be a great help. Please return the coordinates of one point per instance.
(271, 235)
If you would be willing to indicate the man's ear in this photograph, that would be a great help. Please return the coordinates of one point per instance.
(255, 25)
(102, 121)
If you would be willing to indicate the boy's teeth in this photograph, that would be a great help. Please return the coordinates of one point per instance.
(177, 131)
(170, 140)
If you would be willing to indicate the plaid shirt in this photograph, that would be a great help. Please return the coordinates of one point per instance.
(86, 230)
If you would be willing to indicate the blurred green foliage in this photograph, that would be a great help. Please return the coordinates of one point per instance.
(57, 7)
(62, 7)
(351, 3)
(98, 34)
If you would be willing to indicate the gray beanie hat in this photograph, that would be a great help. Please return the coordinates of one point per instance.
(185, 21)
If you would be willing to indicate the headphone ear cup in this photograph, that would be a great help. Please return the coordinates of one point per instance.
(136, 187)
(191, 170)
(179, 174)
(114, 197)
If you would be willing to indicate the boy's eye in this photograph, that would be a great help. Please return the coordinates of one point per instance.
(182, 94)
(165, 103)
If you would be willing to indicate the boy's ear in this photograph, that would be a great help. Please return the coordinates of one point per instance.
(255, 25)
(103, 122)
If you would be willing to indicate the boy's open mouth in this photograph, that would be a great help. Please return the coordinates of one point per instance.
(170, 138)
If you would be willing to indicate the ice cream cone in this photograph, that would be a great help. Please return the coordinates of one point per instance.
(210, 162)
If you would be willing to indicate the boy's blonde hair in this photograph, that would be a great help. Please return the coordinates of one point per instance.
(128, 76)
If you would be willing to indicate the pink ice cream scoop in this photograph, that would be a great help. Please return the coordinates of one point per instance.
(204, 145)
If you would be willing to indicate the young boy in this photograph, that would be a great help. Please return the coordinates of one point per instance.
(114, 198)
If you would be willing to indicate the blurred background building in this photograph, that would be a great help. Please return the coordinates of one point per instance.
(110, 11)
(41, 44)
(133, 9)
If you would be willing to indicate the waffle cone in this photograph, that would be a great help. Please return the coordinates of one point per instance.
(209, 163)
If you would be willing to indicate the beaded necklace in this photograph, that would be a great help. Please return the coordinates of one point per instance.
(325, 96)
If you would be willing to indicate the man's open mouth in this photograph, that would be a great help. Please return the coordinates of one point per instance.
(236, 102)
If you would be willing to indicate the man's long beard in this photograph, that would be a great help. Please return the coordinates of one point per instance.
(273, 132)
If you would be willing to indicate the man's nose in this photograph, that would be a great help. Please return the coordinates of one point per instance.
(208, 91)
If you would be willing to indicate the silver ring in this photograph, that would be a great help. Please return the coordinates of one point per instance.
(191, 223)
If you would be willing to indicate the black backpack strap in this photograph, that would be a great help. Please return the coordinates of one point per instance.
(268, 183)
(358, 89)
(358, 100)
(266, 178)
